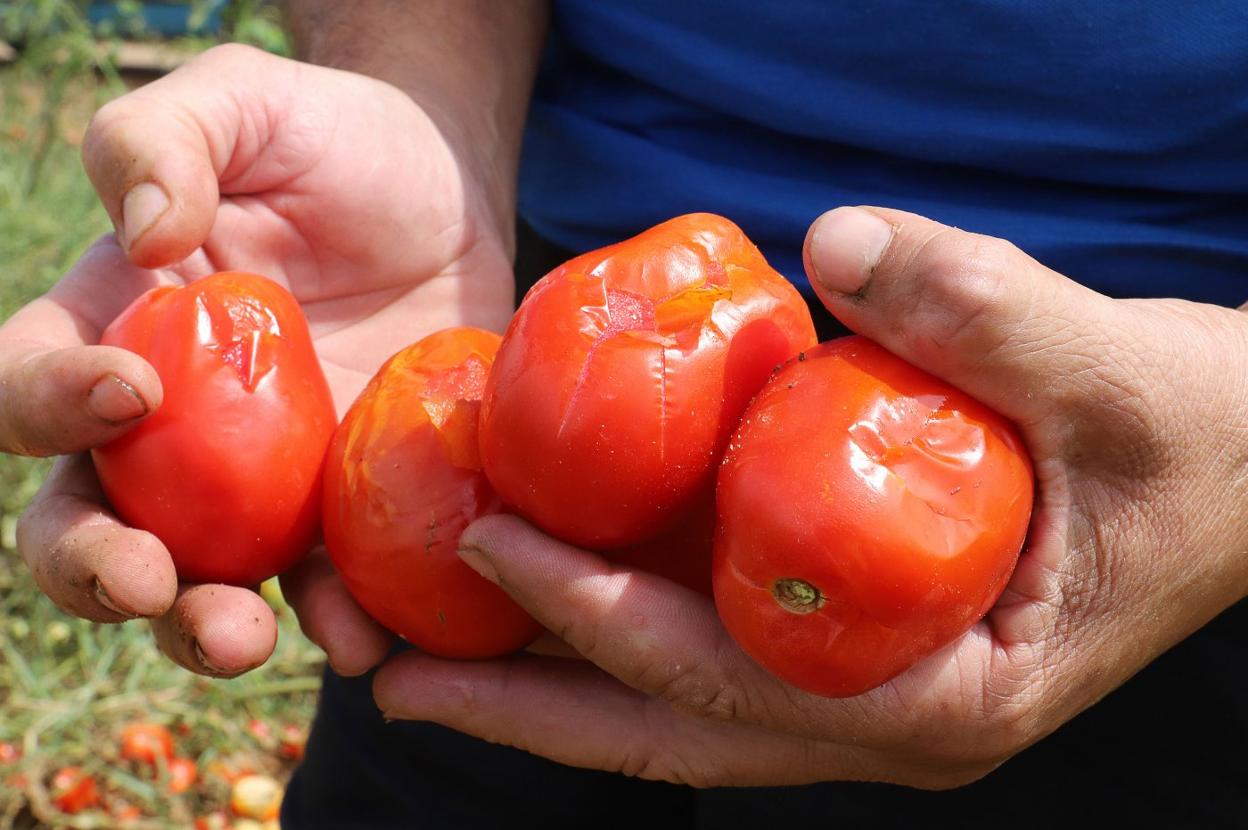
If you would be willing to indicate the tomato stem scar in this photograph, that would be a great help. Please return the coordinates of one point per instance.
(797, 596)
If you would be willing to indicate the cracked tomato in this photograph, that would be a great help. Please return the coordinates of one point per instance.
(226, 473)
(623, 373)
(869, 514)
(402, 480)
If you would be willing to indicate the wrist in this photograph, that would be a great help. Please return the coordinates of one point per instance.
(468, 64)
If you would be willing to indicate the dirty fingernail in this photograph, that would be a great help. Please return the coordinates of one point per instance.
(141, 208)
(112, 399)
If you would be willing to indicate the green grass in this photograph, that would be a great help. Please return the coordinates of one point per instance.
(67, 686)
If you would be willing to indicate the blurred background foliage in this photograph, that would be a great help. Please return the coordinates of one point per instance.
(67, 687)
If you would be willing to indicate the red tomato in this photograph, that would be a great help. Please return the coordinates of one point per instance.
(683, 555)
(182, 774)
(73, 790)
(146, 742)
(9, 753)
(623, 373)
(260, 730)
(869, 514)
(293, 744)
(227, 472)
(403, 479)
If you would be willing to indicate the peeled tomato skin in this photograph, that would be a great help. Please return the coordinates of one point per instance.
(403, 481)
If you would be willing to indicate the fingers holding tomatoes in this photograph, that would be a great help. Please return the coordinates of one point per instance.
(59, 392)
(84, 558)
(217, 630)
(973, 310)
(329, 616)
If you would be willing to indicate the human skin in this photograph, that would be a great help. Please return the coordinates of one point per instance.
(386, 208)
(1136, 414)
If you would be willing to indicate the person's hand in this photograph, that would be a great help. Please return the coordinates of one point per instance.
(339, 187)
(1136, 413)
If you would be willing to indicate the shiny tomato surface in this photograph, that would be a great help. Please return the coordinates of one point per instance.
(623, 373)
(869, 514)
(227, 471)
(403, 479)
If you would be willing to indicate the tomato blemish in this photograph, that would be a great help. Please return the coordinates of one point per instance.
(797, 596)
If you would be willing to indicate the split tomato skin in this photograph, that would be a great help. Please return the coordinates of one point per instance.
(869, 514)
(623, 373)
(226, 473)
(403, 479)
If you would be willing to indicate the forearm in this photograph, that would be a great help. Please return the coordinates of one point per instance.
(468, 63)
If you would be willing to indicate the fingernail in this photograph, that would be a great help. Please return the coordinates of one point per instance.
(477, 560)
(115, 401)
(104, 599)
(141, 208)
(205, 662)
(845, 247)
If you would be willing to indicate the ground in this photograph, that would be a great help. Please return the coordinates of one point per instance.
(67, 687)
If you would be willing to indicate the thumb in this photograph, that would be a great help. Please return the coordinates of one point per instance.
(971, 309)
(156, 155)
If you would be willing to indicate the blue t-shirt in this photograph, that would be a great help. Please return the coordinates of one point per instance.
(1107, 139)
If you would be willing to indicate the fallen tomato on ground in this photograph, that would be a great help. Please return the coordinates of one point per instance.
(623, 373)
(226, 473)
(256, 797)
(146, 743)
(869, 514)
(183, 773)
(403, 479)
(293, 743)
(73, 790)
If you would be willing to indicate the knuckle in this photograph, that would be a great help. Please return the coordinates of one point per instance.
(105, 124)
(229, 53)
(702, 689)
(957, 284)
(581, 636)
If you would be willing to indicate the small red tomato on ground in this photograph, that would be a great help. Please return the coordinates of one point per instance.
(403, 479)
(182, 774)
(869, 514)
(73, 790)
(230, 769)
(294, 742)
(146, 742)
(623, 373)
(9, 753)
(260, 730)
(227, 471)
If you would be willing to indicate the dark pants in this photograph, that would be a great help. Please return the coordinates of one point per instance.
(1170, 748)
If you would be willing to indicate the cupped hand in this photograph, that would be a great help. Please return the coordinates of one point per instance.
(1136, 414)
(336, 185)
